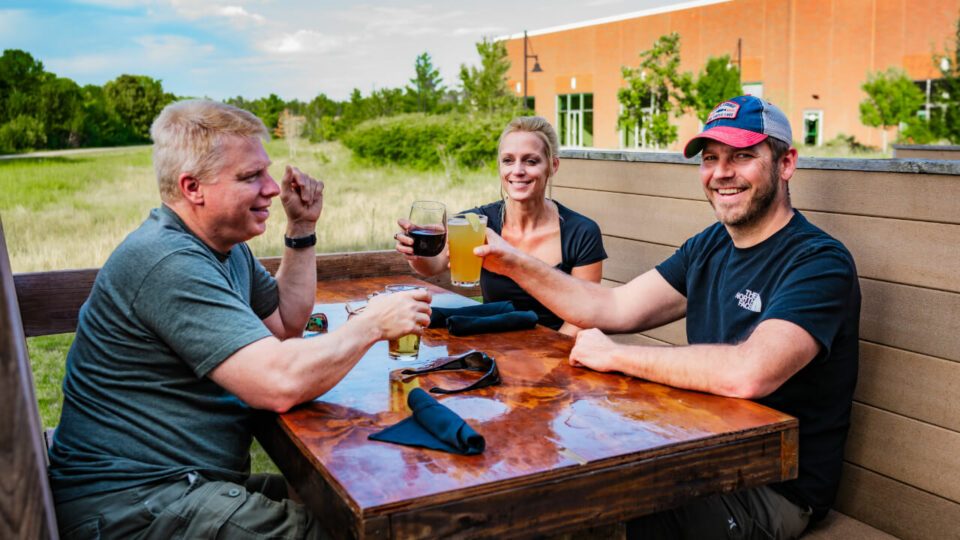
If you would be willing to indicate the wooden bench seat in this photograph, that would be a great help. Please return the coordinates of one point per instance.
(837, 526)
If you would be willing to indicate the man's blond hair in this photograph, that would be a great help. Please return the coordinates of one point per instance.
(188, 137)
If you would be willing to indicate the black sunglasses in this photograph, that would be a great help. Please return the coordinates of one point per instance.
(470, 361)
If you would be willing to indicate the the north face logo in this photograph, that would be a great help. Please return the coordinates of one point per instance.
(750, 300)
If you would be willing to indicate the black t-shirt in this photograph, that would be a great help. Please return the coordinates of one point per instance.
(580, 244)
(801, 275)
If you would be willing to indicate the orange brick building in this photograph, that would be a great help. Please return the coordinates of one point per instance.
(809, 57)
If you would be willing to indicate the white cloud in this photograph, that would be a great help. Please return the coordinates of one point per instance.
(13, 21)
(237, 13)
(419, 20)
(479, 31)
(593, 3)
(127, 4)
(237, 16)
(154, 55)
(84, 65)
(171, 49)
(303, 41)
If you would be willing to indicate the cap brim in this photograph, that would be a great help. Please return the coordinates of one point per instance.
(735, 137)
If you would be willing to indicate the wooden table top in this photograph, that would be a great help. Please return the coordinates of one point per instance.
(552, 431)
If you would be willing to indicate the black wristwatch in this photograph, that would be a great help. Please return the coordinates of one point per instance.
(302, 242)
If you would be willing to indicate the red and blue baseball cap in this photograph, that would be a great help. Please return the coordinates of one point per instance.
(741, 122)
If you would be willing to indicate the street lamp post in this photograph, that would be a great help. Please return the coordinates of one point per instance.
(536, 67)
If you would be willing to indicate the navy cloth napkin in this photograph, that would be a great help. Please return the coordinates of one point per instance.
(482, 318)
(460, 325)
(432, 426)
(438, 315)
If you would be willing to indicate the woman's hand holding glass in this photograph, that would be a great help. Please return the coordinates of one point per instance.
(425, 233)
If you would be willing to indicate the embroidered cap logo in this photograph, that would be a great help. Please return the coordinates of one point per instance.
(727, 110)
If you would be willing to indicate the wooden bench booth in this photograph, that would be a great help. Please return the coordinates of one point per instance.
(900, 219)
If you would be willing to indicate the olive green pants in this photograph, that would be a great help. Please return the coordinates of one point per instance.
(190, 507)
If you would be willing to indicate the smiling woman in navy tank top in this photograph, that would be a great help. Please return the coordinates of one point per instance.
(528, 220)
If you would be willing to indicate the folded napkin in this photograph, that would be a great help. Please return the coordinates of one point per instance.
(460, 325)
(432, 426)
(438, 315)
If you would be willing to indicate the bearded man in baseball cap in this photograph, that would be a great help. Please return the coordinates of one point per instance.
(772, 307)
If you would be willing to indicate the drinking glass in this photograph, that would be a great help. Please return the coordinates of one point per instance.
(404, 347)
(466, 232)
(429, 229)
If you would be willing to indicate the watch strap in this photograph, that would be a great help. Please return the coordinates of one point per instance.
(301, 242)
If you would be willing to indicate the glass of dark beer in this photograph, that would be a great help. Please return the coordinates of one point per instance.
(429, 229)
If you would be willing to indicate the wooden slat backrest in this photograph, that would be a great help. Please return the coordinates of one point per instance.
(50, 301)
(901, 221)
(26, 505)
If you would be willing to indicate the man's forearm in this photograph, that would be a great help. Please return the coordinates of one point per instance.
(276, 375)
(297, 284)
(705, 368)
(774, 352)
(579, 302)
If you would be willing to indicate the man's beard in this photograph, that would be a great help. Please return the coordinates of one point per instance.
(759, 205)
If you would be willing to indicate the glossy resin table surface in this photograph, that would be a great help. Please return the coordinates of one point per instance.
(549, 428)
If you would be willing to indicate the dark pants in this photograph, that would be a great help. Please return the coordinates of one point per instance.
(758, 513)
(190, 507)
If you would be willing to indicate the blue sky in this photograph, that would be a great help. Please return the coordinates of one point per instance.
(294, 48)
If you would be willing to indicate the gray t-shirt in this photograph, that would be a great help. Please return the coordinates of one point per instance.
(138, 407)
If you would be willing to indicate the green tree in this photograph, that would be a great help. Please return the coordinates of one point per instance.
(946, 119)
(719, 81)
(322, 113)
(386, 102)
(485, 88)
(654, 90)
(98, 124)
(427, 84)
(22, 133)
(60, 108)
(138, 100)
(20, 79)
(892, 98)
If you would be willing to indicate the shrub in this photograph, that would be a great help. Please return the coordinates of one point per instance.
(22, 133)
(427, 142)
(850, 144)
(918, 131)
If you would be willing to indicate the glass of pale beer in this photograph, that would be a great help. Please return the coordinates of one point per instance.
(404, 347)
(465, 232)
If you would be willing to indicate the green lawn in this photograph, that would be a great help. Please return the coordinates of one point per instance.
(72, 211)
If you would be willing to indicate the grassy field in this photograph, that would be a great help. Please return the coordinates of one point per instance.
(72, 211)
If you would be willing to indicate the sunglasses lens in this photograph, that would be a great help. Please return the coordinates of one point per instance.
(317, 323)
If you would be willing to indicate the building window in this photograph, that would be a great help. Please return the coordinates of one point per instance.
(531, 105)
(813, 127)
(575, 119)
(753, 89)
(933, 90)
(636, 137)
